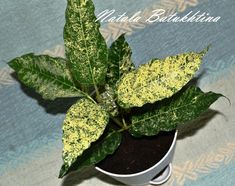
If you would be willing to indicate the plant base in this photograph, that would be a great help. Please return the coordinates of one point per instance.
(138, 160)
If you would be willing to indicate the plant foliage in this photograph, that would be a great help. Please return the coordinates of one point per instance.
(165, 115)
(93, 126)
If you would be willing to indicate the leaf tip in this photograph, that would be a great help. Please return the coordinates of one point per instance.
(229, 101)
(63, 171)
(203, 53)
(122, 35)
(11, 63)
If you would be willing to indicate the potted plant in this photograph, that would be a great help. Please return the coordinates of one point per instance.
(116, 101)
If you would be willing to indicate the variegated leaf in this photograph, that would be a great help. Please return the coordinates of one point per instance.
(47, 75)
(85, 47)
(97, 152)
(167, 114)
(119, 61)
(85, 122)
(157, 79)
(107, 101)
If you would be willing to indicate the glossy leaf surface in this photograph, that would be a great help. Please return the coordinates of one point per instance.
(157, 79)
(48, 76)
(119, 61)
(85, 47)
(97, 152)
(85, 122)
(166, 115)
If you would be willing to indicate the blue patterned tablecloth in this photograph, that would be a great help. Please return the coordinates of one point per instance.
(30, 139)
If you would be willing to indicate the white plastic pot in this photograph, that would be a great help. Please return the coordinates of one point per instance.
(148, 176)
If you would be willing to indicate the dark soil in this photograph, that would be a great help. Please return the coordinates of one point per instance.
(137, 154)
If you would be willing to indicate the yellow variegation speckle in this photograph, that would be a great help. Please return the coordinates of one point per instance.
(84, 123)
(157, 79)
(85, 47)
(119, 60)
(47, 75)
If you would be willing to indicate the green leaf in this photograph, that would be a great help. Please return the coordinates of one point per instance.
(107, 101)
(119, 61)
(47, 75)
(185, 106)
(157, 79)
(97, 152)
(85, 47)
(85, 122)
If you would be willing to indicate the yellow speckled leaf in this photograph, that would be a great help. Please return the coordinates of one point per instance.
(85, 122)
(158, 79)
(47, 75)
(85, 47)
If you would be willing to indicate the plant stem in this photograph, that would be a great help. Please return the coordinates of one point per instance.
(121, 130)
(90, 98)
(119, 123)
(84, 89)
(92, 93)
(97, 94)
(124, 122)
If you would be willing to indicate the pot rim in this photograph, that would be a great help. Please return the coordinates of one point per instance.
(145, 171)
